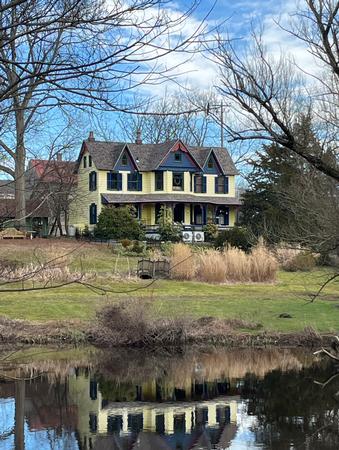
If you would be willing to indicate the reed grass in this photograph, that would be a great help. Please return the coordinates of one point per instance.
(183, 262)
(231, 265)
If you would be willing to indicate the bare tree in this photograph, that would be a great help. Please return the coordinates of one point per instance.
(266, 95)
(56, 54)
(179, 115)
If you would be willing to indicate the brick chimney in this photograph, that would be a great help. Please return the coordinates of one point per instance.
(91, 136)
(59, 156)
(138, 139)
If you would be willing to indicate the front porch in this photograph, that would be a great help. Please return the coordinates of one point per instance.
(193, 211)
(194, 215)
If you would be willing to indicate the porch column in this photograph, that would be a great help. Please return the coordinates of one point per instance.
(187, 214)
(152, 213)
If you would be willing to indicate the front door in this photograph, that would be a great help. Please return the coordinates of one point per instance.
(222, 215)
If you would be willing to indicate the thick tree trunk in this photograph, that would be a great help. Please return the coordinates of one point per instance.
(19, 436)
(60, 225)
(20, 159)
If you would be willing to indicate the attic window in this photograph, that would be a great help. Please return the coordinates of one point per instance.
(89, 161)
(124, 160)
(177, 157)
(210, 163)
(85, 162)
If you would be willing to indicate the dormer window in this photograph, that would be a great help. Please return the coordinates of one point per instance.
(124, 160)
(210, 163)
(177, 157)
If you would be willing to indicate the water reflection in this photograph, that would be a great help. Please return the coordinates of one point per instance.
(128, 400)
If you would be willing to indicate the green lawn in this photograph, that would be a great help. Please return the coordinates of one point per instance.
(259, 303)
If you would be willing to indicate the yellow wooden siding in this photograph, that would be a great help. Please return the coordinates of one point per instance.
(147, 182)
(232, 217)
(187, 219)
(168, 181)
(79, 208)
(210, 185)
(187, 183)
(231, 186)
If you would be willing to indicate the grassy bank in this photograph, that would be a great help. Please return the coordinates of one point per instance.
(259, 304)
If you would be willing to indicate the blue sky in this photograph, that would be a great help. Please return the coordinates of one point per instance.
(197, 72)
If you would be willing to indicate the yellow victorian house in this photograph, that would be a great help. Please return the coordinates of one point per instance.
(197, 183)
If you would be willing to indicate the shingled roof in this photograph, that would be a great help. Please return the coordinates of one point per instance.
(148, 157)
(165, 198)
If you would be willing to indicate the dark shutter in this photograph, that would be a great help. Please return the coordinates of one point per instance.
(109, 180)
(195, 183)
(93, 214)
(119, 181)
(226, 185)
(139, 182)
(203, 184)
(93, 181)
(216, 185)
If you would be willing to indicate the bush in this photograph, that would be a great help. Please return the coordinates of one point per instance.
(285, 254)
(138, 247)
(118, 223)
(211, 232)
(303, 262)
(130, 323)
(126, 243)
(168, 230)
(235, 237)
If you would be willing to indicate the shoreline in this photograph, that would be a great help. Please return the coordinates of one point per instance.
(71, 333)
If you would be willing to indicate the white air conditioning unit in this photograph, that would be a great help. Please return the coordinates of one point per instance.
(199, 236)
(187, 236)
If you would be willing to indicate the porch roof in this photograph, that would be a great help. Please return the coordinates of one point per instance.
(168, 198)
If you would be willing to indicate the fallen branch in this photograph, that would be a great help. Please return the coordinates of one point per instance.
(322, 350)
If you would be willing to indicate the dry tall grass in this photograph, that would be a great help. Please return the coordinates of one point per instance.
(232, 265)
(211, 267)
(183, 262)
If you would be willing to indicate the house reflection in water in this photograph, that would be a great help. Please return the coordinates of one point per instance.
(153, 415)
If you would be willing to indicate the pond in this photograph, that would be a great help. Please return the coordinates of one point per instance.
(123, 400)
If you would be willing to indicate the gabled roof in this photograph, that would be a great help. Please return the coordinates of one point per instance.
(149, 156)
(104, 154)
(51, 170)
(222, 156)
